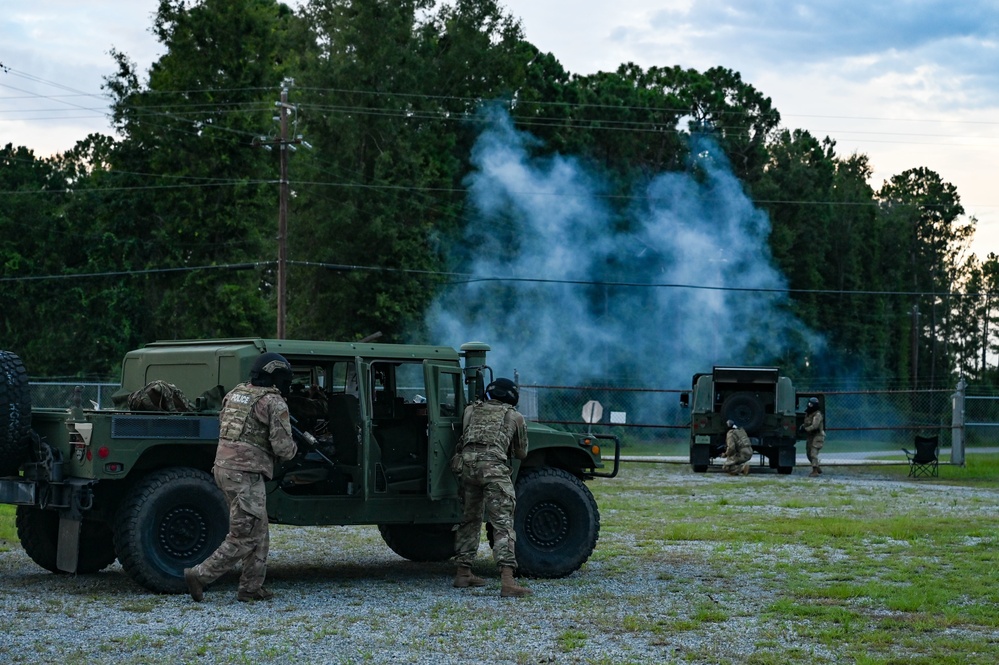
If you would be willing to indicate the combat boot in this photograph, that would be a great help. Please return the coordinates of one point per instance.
(510, 588)
(194, 585)
(815, 472)
(465, 578)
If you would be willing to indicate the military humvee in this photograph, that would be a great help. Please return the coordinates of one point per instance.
(759, 399)
(92, 486)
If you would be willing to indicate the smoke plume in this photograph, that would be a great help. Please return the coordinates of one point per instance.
(568, 286)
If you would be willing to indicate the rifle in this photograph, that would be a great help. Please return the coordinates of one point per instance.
(306, 440)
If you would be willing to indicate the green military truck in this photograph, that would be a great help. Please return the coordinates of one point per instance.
(92, 486)
(759, 399)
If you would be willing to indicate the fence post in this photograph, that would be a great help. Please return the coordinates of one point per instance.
(957, 424)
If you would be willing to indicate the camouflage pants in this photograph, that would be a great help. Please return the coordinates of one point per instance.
(737, 461)
(812, 448)
(248, 540)
(486, 486)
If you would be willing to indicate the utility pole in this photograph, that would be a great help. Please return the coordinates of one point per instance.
(282, 237)
(285, 145)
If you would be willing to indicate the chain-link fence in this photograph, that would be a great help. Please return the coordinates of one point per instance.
(61, 394)
(981, 418)
(862, 426)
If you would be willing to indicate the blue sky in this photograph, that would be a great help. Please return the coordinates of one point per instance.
(908, 82)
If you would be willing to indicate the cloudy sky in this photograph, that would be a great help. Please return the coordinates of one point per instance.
(908, 82)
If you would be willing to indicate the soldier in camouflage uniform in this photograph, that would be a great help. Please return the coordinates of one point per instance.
(815, 435)
(493, 433)
(738, 450)
(254, 429)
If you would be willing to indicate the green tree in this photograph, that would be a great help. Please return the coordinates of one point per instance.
(631, 121)
(719, 103)
(199, 194)
(975, 317)
(68, 310)
(990, 304)
(861, 256)
(385, 100)
(35, 242)
(971, 320)
(168, 232)
(924, 215)
(621, 121)
(795, 189)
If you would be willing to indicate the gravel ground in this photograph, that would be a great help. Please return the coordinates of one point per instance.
(343, 597)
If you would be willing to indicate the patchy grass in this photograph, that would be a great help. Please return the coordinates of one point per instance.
(862, 566)
(8, 532)
(874, 570)
(570, 640)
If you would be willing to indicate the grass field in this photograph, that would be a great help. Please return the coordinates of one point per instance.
(861, 566)
(878, 580)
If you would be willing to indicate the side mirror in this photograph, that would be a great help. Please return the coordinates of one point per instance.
(685, 400)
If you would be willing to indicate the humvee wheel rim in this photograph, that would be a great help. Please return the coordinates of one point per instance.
(182, 532)
(547, 524)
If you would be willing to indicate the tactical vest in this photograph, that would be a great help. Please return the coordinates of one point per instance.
(810, 419)
(236, 422)
(487, 427)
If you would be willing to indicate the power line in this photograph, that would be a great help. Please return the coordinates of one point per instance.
(473, 102)
(220, 182)
(133, 273)
(468, 100)
(97, 190)
(460, 278)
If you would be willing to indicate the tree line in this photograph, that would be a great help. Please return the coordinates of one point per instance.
(167, 232)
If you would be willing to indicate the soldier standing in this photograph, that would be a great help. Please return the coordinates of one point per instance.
(254, 429)
(493, 433)
(738, 450)
(815, 433)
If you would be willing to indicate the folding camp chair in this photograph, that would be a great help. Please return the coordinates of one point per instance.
(924, 462)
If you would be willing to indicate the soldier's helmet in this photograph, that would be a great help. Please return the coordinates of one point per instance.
(503, 390)
(813, 402)
(272, 369)
(731, 424)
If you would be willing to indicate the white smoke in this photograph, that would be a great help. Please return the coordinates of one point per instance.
(616, 308)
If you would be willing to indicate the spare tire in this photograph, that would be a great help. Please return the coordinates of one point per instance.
(746, 410)
(15, 414)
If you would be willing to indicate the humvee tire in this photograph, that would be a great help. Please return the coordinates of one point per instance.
(420, 542)
(774, 463)
(557, 523)
(15, 414)
(38, 531)
(171, 520)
